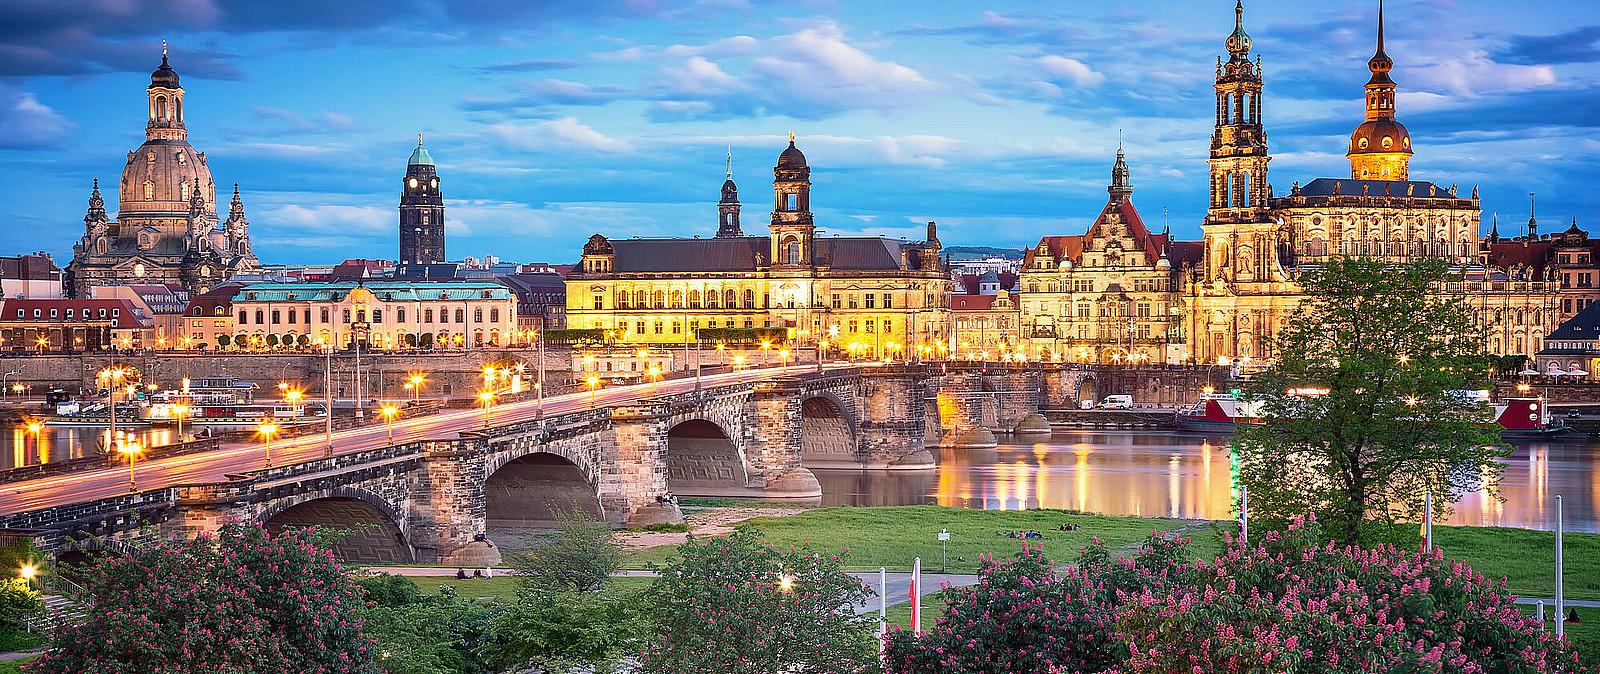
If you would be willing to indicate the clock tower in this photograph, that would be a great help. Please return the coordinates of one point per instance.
(421, 211)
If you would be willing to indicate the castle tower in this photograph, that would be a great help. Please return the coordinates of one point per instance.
(1120, 188)
(421, 211)
(1380, 148)
(792, 226)
(1239, 143)
(728, 208)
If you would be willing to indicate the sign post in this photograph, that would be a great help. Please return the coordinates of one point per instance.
(1244, 514)
(944, 543)
(1561, 605)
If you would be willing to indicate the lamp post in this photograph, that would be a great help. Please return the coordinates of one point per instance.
(764, 347)
(416, 386)
(738, 362)
(594, 382)
(294, 402)
(266, 431)
(388, 416)
(112, 375)
(488, 399)
(131, 449)
(655, 377)
(327, 396)
(34, 428)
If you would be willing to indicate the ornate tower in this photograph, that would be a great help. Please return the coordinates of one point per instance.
(1380, 148)
(421, 211)
(1239, 144)
(1120, 188)
(166, 103)
(792, 227)
(728, 208)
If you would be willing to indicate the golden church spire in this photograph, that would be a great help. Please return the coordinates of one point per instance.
(1380, 148)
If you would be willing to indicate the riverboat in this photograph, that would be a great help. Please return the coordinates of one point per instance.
(1517, 417)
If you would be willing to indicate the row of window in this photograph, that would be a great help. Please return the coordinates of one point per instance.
(71, 313)
(361, 316)
(659, 300)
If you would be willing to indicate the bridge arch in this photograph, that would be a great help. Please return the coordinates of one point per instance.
(532, 490)
(379, 538)
(703, 459)
(828, 432)
(1088, 389)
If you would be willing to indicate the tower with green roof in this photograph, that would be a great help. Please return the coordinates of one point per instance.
(421, 211)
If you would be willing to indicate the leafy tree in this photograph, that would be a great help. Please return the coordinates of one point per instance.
(241, 602)
(18, 603)
(241, 340)
(737, 605)
(304, 340)
(223, 341)
(272, 340)
(579, 557)
(1390, 350)
(551, 629)
(428, 634)
(426, 340)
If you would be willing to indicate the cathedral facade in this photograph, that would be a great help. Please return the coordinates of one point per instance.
(167, 228)
(872, 296)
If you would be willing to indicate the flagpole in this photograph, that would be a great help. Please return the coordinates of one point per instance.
(916, 596)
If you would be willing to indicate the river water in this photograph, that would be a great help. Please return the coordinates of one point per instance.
(1187, 475)
(1139, 473)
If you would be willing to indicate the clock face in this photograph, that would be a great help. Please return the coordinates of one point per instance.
(435, 182)
(205, 271)
(412, 182)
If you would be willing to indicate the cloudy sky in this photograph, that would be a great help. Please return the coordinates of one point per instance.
(551, 120)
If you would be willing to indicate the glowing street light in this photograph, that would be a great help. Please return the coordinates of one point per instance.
(594, 383)
(180, 410)
(266, 431)
(388, 415)
(738, 362)
(488, 399)
(415, 385)
(131, 449)
(655, 376)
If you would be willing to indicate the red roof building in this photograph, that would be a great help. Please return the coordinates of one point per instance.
(70, 326)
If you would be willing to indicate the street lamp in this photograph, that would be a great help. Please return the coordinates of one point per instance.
(416, 386)
(294, 401)
(594, 382)
(487, 399)
(34, 428)
(738, 362)
(266, 431)
(655, 376)
(764, 347)
(388, 415)
(132, 449)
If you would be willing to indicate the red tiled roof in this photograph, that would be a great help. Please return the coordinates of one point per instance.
(127, 315)
(971, 302)
(1060, 247)
(1150, 242)
(1507, 254)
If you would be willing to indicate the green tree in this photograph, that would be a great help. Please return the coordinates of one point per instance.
(428, 634)
(241, 340)
(223, 341)
(579, 557)
(738, 605)
(550, 629)
(239, 602)
(1389, 348)
(303, 340)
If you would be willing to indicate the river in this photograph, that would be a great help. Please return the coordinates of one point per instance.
(1139, 473)
(1187, 475)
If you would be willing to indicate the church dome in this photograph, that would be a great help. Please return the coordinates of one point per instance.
(792, 157)
(164, 77)
(1380, 136)
(597, 245)
(160, 178)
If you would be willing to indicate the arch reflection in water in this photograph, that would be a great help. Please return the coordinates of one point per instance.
(1186, 475)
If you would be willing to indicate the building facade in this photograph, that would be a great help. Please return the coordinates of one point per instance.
(421, 211)
(872, 296)
(985, 327)
(1110, 295)
(33, 276)
(167, 229)
(379, 315)
(70, 325)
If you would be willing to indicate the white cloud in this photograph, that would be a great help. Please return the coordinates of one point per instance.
(1475, 74)
(327, 218)
(564, 134)
(1072, 71)
(700, 77)
(29, 123)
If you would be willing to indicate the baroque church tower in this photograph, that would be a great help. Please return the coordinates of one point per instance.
(1380, 148)
(421, 210)
(792, 227)
(728, 207)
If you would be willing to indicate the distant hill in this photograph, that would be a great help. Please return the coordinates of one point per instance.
(980, 252)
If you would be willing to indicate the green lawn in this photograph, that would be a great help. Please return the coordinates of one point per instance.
(1526, 558)
(891, 536)
(1585, 636)
(501, 587)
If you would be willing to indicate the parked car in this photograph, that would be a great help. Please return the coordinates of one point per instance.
(1117, 402)
(1086, 404)
(1573, 414)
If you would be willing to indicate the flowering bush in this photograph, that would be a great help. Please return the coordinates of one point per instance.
(738, 605)
(243, 602)
(1284, 603)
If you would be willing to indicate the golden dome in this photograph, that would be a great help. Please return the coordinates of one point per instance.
(1380, 136)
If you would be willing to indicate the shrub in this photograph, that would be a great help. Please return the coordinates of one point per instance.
(242, 601)
(223, 341)
(579, 557)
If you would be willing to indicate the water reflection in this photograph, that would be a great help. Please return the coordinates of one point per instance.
(1181, 474)
(22, 447)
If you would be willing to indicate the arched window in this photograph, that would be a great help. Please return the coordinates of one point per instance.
(461, 315)
(149, 191)
(161, 108)
(641, 300)
(660, 299)
(260, 317)
(622, 299)
(677, 299)
(711, 299)
(792, 251)
(749, 299)
(730, 298)
(694, 299)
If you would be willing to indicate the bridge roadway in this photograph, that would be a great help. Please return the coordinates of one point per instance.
(215, 466)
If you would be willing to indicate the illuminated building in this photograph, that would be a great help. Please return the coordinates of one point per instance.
(872, 296)
(167, 230)
(379, 314)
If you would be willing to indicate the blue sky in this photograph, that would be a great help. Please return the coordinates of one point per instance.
(554, 120)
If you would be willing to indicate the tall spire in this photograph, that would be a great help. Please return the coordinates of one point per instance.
(1121, 188)
(730, 162)
(728, 208)
(1239, 42)
(97, 205)
(1381, 64)
(1533, 222)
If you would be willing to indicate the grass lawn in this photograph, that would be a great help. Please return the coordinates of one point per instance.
(1585, 636)
(891, 536)
(13, 666)
(501, 587)
(1526, 558)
